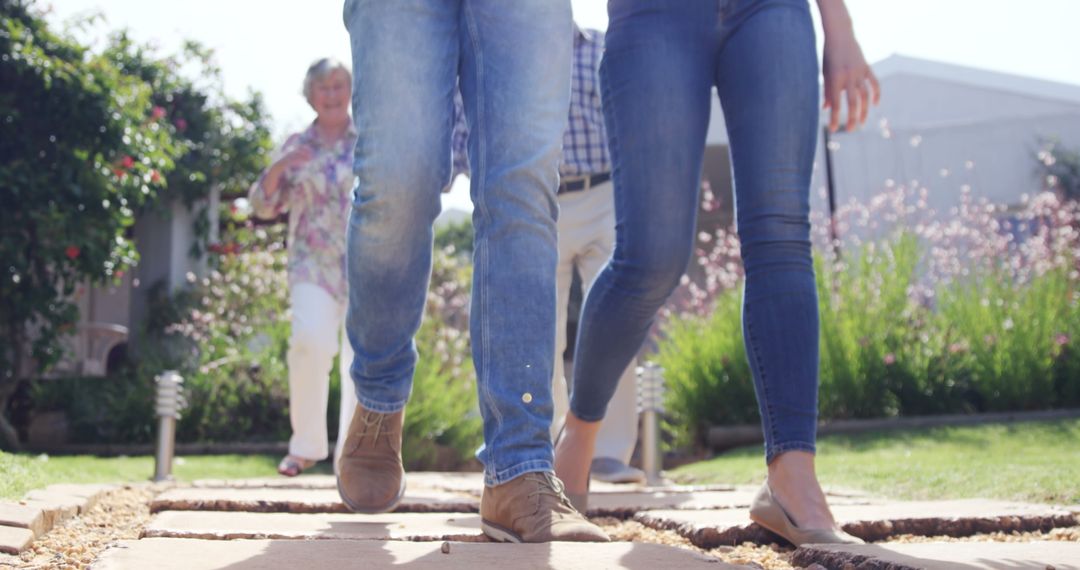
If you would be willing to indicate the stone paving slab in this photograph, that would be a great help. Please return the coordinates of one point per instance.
(51, 513)
(267, 500)
(471, 483)
(23, 516)
(87, 490)
(300, 482)
(466, 482)
(89, 494)
(56, 507)
(627, 504)
(188, 554)
(621, 504)
(14, 540)
(241, 525)
(1056, 555)
(317, 493)
(708, 529)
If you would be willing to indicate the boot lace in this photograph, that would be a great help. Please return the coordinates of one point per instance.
(549, 485)
(373, 425)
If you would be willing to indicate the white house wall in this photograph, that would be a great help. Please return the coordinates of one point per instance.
(940, 118)
(911, 101)
(995, 158)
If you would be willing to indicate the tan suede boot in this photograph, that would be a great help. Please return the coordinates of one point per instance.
(533, 508)
(370, 477)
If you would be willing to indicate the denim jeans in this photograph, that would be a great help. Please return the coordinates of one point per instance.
(513, 67)
(663, 58)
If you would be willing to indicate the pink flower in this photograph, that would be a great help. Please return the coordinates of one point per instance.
(890, 359)
(1061, 339)
(127, 161)
(157, 113)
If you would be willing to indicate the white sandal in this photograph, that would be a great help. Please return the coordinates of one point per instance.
(291, 466)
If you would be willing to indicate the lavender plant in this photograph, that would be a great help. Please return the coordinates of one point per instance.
(921, 313)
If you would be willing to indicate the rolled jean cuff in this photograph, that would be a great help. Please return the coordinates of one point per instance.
(507, 475)
(381, 407)
(585, 416)
(776, 450)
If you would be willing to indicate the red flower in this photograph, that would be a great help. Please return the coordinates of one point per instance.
(157, 113)
(71, 252)
(155, 176)
(119, 173)
(127, 162)
(181, 125)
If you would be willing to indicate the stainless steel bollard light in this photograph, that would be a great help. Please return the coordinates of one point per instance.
(168, 403)
(650, 387)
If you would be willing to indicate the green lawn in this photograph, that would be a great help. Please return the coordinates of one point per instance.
(19, 473)
(1026, 461)
(1035, 461)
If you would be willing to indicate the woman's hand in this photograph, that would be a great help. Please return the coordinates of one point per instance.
(297, 158)
(292, 160)
(847, 74)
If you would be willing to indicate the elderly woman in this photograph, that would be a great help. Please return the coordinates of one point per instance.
(310, 179)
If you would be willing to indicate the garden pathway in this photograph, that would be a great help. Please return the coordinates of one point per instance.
(289, 523)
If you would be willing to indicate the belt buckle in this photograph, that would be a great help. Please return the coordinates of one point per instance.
(567, 186)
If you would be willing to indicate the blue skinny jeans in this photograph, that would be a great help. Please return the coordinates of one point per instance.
(663, 58)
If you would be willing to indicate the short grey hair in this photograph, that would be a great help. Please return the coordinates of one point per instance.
(321, 69)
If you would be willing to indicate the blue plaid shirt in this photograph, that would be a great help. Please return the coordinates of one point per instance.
(584, 141)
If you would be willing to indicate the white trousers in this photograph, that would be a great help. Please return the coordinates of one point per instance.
(318, 333)
(586, 239)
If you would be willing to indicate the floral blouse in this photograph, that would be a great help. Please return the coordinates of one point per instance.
(317, 198)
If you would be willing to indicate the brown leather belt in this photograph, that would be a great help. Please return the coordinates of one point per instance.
(583, 183)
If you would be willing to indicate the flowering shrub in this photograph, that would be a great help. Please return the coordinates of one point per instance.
(1060, 168)
(443, 410)
(228, 335)
(239, 325)
(92, 137)
(70, 125)
(920, 313)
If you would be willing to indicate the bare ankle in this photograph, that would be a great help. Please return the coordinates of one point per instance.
(793, 480)
(574, 451)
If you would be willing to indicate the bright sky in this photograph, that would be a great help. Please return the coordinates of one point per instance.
(267, 44)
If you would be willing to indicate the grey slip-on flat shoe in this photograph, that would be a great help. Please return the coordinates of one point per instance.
(767, 512)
